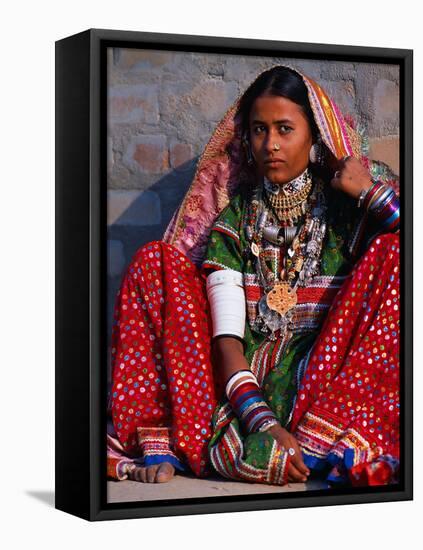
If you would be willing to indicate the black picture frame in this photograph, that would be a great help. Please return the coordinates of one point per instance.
(81, 273)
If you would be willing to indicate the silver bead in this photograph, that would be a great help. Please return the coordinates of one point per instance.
(273, 233)
(312, 247)
(262, 219)
(290, 233)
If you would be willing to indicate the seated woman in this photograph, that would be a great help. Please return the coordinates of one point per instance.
(260, 338)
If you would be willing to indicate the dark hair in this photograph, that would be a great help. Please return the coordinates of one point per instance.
(278, 81)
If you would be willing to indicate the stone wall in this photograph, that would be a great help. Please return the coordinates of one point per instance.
(162, 109)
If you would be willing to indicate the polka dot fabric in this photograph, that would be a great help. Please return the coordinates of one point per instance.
(347, 408)
(346, 412)
(162, 394)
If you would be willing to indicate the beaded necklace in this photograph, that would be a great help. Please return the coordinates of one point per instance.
(300, 245)
(289, 201)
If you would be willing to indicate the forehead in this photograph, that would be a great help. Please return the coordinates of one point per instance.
(267, 108)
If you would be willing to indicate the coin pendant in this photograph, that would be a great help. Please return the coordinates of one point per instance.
(281, 298)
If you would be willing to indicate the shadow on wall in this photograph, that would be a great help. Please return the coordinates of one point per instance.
(136, 217)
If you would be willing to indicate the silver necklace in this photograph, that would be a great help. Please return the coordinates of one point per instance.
(276, 307)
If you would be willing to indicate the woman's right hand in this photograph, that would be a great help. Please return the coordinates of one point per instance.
(297, 470)
(229, 357)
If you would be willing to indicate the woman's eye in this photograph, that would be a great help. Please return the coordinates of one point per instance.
(285, 129)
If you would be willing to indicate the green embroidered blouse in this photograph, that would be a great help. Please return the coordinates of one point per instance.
(275, 362)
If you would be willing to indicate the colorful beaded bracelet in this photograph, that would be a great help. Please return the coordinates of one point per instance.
(382, 202)
(244, 396)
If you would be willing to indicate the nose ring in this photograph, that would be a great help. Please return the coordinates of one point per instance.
(276, 146)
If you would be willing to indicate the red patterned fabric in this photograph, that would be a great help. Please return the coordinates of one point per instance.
(347, 408)
(162, 374)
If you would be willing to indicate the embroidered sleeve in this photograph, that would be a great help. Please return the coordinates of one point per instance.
(224, 248)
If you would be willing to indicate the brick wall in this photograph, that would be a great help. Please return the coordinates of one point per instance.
(162, 109)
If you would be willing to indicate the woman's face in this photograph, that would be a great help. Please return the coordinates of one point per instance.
(278, 120)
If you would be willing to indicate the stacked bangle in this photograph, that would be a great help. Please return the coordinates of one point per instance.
(382, 202)
(244, 396)
(225, 293)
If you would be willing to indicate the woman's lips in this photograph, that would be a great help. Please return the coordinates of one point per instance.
(273, 163)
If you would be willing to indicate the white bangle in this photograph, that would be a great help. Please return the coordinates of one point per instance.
(225, 292)
(233, 379)
(269, 424)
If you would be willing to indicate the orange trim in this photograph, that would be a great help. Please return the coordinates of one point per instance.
(331, 119)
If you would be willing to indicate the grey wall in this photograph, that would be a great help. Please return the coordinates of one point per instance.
(162, 109)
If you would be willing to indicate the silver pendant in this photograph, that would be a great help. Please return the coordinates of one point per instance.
(271, 318)
(255, 249)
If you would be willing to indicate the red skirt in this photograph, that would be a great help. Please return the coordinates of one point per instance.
(347, 408)
(164, 390)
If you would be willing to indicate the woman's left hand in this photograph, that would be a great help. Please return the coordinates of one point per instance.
(351, 177)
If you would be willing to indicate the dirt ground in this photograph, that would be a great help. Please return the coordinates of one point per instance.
(183, 486)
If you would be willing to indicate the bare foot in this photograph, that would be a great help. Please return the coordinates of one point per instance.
(158, 473)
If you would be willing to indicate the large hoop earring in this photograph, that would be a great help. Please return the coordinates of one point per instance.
(317, 153)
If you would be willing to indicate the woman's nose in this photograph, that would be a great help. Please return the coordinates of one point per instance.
(270, 143)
